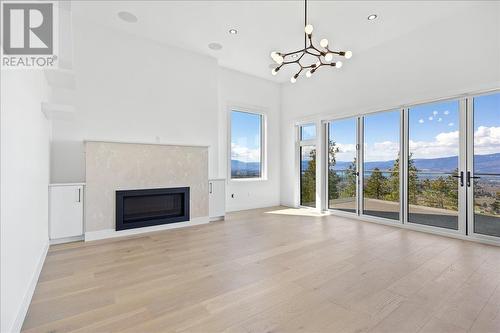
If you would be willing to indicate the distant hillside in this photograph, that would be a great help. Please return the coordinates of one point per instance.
(483, 163)
(239, 165)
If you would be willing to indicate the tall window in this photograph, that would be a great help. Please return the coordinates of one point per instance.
(381, 165)
(307, 165)
(486, 165)
(342, 168)
(246, 145)
(433, 164)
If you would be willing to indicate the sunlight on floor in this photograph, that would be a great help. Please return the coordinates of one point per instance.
(299, 212)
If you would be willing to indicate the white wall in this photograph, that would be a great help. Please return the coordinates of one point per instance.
(440, 60)
(247, 92)
(130, 89)
(24, 190)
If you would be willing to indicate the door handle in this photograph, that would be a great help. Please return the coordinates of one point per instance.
(469, 177)
(210, 188)
(461, 178)
(79, 195)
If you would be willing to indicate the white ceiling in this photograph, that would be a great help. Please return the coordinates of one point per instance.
(265, 26)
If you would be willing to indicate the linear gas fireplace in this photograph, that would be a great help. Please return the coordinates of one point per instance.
(143, 208)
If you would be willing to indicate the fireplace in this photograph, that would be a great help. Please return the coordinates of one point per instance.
(148, 207)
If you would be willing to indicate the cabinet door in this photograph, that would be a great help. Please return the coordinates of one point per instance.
(66, 211)
(217, 196)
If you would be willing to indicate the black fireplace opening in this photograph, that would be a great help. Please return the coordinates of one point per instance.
(148, 207)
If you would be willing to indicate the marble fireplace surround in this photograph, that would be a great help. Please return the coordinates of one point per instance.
(111, 166)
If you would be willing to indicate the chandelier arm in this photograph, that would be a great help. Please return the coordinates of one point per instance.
(318, 50)
(294, 52)
(313, 54)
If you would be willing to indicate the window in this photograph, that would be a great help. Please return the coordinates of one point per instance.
(486, 165)
(433, 164)
(246, 145)
(308, 132)
(307, 147)
(381, 165)
(342, 165)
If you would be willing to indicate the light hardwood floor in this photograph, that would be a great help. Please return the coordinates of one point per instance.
(266, 271)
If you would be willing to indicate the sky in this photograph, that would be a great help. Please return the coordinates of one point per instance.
(245, 136)
(343, 133)
(308, 132)
(433, 131)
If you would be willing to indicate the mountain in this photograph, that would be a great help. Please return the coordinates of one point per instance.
(244, 169)
(482, 163)
(239, 165)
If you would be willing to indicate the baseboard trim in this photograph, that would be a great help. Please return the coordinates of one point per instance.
(23, 310)
(237, 208)
(66, 240)
(112, 233)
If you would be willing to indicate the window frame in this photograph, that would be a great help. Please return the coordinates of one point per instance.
(362, 161)
(359, 184)
(298, 151)
(466, 100)
(263, 142)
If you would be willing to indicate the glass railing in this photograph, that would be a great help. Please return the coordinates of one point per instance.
(487, 204)
(433, 198)
(342, 190)
(381, 193)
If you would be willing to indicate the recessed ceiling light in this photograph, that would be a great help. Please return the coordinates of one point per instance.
(127, 17)
(295, 55)
(233, 31)
(372, 17)
(215, 46)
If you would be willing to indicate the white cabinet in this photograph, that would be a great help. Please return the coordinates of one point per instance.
(216, 199)
(65, 212)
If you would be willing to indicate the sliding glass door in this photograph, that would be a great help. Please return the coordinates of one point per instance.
(434, 164)
(307, 147)
(483, 174)
(342, 165)
(381, 156)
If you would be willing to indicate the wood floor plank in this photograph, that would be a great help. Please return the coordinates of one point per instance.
(270, 270)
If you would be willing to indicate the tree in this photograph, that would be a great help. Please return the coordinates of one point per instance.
(452, 191)
(333, 178)
(350, 188)
(495, 205)
(435, 192)
(393, 182)
(413, 189)
(308, 180)
(375, 186)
